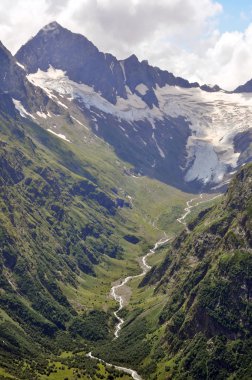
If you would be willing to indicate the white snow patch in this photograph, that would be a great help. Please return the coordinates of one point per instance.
(63, 137)
(206, 165)
(161, 152)
(77, 121)
(214, 118)
(62, 104)
(128, 90)
(142, 89)
(221, 184)
(154, 164)
(49, 81)
(50, 27)
(144, 142)
(152, 123)
(112, 66)
(130, 109)
(20, 108)
(123, 70)
(20, 65)
(41, 114)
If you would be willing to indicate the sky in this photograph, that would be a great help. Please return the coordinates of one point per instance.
(208, 41)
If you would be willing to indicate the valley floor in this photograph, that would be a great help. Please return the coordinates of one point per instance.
(95, 293)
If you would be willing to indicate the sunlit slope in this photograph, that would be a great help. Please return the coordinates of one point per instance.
(67, 218)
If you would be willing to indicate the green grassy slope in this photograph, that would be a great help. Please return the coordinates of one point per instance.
(205, 324)
(190, 318)
(64, 213)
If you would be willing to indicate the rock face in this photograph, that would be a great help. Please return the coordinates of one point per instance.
(11, 75)
(14, 84)
(84, 63)
(75, 55)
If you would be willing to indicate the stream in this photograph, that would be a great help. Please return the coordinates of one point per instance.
(145, 268)
(129, 371)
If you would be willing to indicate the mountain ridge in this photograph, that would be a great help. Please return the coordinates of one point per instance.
(160, 123)
(107, 60)
(246, 87)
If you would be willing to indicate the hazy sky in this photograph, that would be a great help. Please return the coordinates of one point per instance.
(204, 40)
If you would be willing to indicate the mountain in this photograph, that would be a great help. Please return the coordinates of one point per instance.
(88, 146)
(206, 281)
(13, 81)
(246, 87)
(164, 126)
(12, 76)
(84, 63)
(72, 220)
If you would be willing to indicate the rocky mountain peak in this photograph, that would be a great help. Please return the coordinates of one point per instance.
(52, 26)
(132, 59)
(247, 87)
(74, 54)
(83, 63)
(166, 110)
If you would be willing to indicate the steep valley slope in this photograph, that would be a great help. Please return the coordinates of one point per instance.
(193, 311)
(69, 224)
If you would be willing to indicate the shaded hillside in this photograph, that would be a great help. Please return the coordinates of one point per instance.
(55, 224)
(207, 280)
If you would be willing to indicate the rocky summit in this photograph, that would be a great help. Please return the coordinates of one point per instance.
(159, 123)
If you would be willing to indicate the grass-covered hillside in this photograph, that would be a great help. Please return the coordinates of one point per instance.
(69, 215)
(72, 221)
(206, 279)
(55, 225)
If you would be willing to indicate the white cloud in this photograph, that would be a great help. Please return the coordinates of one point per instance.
(55, 6)
(178, 35)
(226, 60)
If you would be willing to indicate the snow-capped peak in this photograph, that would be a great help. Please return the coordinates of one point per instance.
(52, 26)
